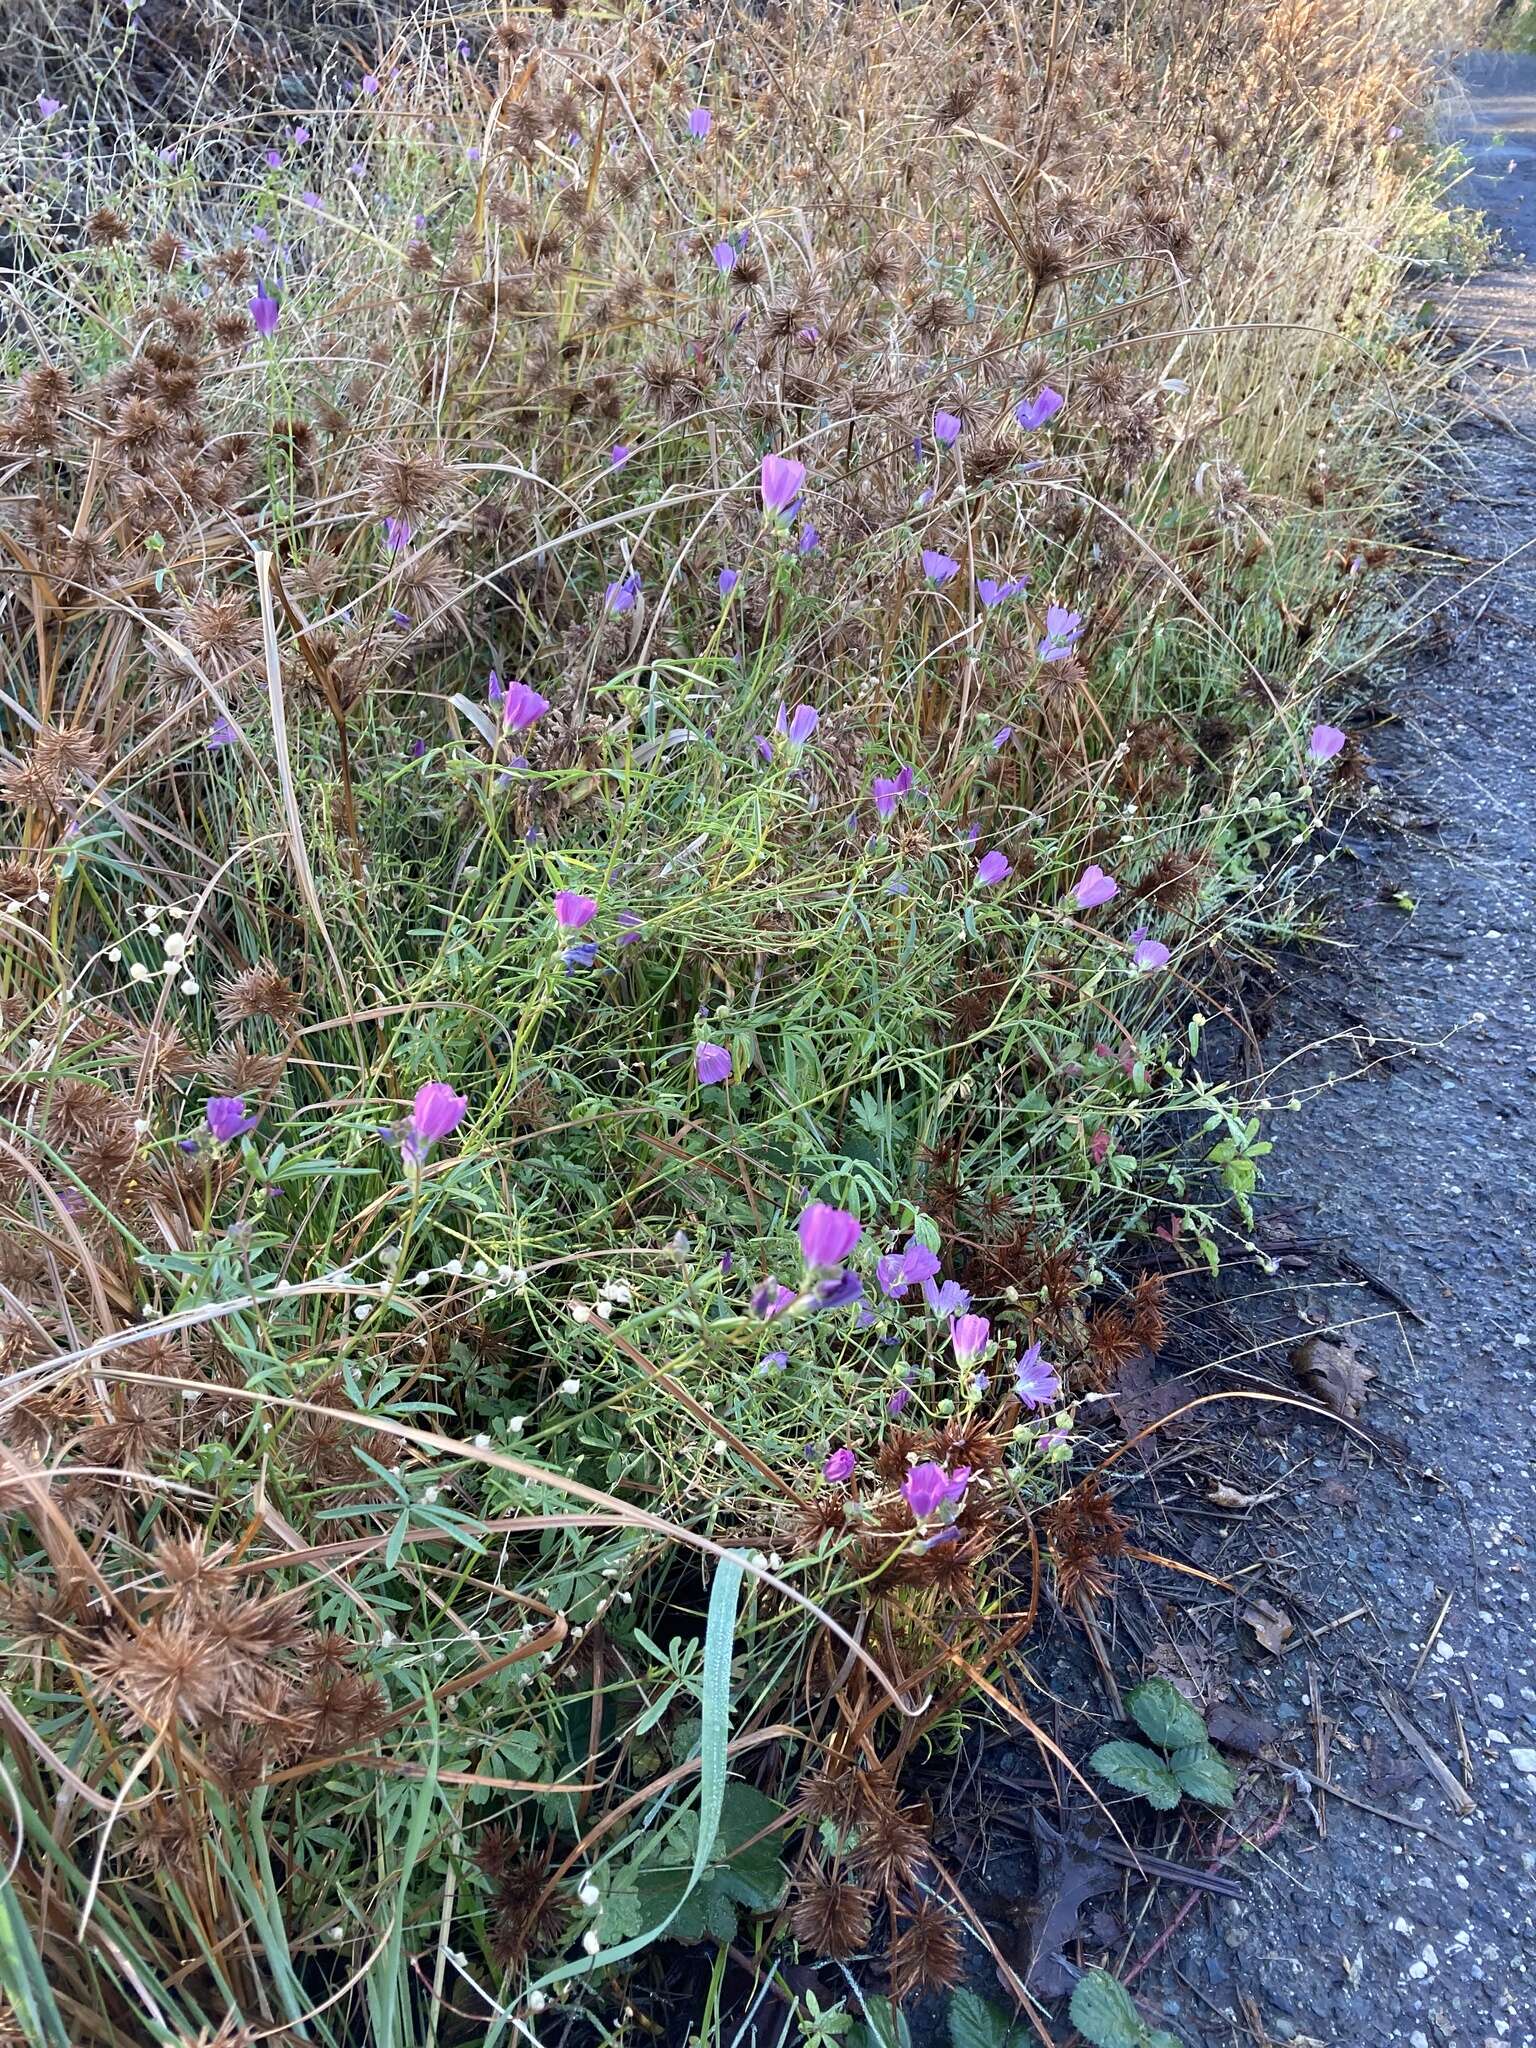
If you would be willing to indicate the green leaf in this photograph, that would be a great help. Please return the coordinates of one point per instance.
(714, 1736)
(975, 2022)
(1135, 1768)
(1161, 2039)
(1102, 2012)
(1203, 1774)
(886, 2026)
(1163, 1714)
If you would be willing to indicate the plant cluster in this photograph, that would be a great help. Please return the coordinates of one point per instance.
(656, 664)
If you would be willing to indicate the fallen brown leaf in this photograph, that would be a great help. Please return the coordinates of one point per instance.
(1231, 1728)
(1273, 1629)
(1334, 1372)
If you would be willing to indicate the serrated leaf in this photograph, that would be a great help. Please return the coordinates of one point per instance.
(1163, 1714)
(1102, 2012)
(1134, 1768)
(621, 1914)
(1203, 1774)
(975, 2022)
(1161, 2039)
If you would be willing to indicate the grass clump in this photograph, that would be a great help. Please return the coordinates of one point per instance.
(654, 667)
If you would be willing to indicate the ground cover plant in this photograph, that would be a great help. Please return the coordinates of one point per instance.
(655, 663)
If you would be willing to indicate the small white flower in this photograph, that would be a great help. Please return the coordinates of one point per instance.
(138, 971)
(570, 1386)
(516, 1424)
(537, 2001)
(482, 1442)
(188, 985)
(175, 945)
(589, 1893)
(114, 954)
(388, 1639)
(429, 1494)
(591, 1941)
(579, 1311)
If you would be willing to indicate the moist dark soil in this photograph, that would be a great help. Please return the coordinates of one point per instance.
(1362, 1637)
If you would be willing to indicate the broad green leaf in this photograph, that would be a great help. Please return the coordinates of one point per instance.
(1102, 2012)
(1135, 1768)
(975, 2022)
(1163, 1714)
(1203, 1774)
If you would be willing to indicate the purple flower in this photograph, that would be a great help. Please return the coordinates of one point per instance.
(226, 1118)
(949, 1300)
(773, 1361)
(1036, 1384)
(724, 254)
(727, 581)
(700, 121)
(989, 590)
(520, 706)
(712, 1063)
(889, 791)
(939, 568)
(839, 1467)
(436, 1112)
(992, 867)
(368, 84)
(47, 108)
(827, 1235)
(891, 1276)
(797, 726)
(837, 1290)
(618, 455)
(310, 199)
(263, 310)
(1001, 737)
(301, 136)
(620, 596)
(970, 1335)
(770, 1299)
(947, 427)
(809, 538)
(920, 1263)
(1061, 632)
(928, 1488)
(573, 910)
(397, 535)
(1094, 887)
(582, 955)
(1032, 413)
(274, 159)
(631, 931)
(220, 734)
(898, 1401)
(783, 479)
(1326, 741)
(1149, 956)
